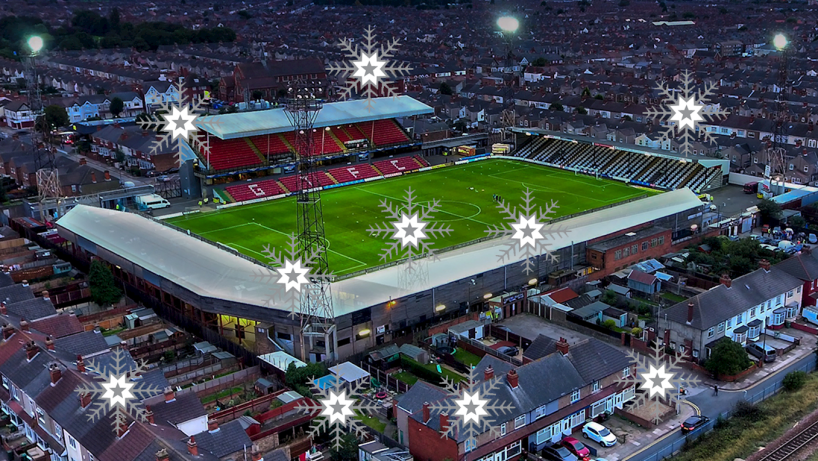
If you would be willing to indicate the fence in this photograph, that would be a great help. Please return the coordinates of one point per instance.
(756, 397)
(476, 346)
(384, 379)
(254, 406)
(225, 382)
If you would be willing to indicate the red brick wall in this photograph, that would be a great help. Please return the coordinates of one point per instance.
(427, 445)
(806, 299)
(608, 265)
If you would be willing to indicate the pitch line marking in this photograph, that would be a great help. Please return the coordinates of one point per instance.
(225, 228)
(331, 251)
(441, 211)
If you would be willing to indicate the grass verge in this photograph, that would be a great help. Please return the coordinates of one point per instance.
(741, 436)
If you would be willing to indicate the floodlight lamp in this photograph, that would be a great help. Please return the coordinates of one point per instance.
(508, 24)
(35, 43)
(780, 41)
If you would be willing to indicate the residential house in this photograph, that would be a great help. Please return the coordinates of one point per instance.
(805, 268)
(87, 107)
(133, 104)
(739, 309)
(19, 115)
(549, 398)
(271, 77)
(159, 92)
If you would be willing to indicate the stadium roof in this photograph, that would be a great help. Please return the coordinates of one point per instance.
(230, 126)
(206, 269)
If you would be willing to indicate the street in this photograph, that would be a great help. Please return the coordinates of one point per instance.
(714, 405)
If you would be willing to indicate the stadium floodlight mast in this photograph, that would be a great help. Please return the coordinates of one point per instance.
(780, 42)
(508, 25)
(776, 150)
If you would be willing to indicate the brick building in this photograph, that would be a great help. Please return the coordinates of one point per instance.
(612, 253)
(272, 79)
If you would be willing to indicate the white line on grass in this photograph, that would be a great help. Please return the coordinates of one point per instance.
(360, 263)
(440, 211)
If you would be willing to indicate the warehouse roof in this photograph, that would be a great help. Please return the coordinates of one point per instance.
(212, 272)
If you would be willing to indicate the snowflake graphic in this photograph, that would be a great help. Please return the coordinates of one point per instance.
(528, 234)
(410, 230)
(289, 275)
(178, 125)
(336, 407)
(473, 407)
(661, 378)
(117, 387)
(688, 108)
(368, 68)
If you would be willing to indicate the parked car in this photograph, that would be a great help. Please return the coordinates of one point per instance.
(510, 351)
(577, 448)
(762, 351)
(599, 434)
(558, 453)
(693, 423)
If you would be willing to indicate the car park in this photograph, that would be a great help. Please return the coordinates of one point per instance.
(693, 423)
(558, 453)
(599, 434)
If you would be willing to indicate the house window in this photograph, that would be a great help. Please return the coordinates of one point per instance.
(682, 348)
(471, 444)
(729, 322)
(752, 312)
(644, 246)
(738, 319)
(519, 422)
(596, 386)
(790, 294)
(661, 240)
(779, 300)
(540, 412)
(768, 305)
(575, 396)
(626, 372)
(711, 332)
(721, 327)
(618, 255)
(502, 429)
(543, 435)
(798, 290)
(634, 249)
(626, 252)
(57, 431)
(5, 382)
(792, 167)
(41, 417)
(72, 442)
(653, 243)
(695, 353)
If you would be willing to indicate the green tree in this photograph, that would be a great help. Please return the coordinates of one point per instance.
(298, 378)
(797, 221)
(728, 358)
(582, 111)
(609, 297)
(539, 62)
(769, 210)
(257, 94)
(103, 286)
(600, 97)
(557, 107)
(244, 15)
(609, 324)
(348, 450)
(586, 92)
(56, 116)
(446, 89)
(117, 106)
(794, 380)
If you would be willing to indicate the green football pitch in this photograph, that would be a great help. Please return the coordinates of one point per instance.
(465, 194)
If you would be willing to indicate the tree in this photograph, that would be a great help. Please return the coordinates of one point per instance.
(103, 287)
(244, 15)
(586, 92)
(582, 111)
(627, 118)
(769, 210)
(624, 3)
(56, 116)
(446, 89)
(798, 221)
(348, 450)
(728, 358)
(600, 97)
(539, 62)
(297, 378)
(794, 380)
(117, 106)
(257, 94)
(557, 107)
(609, 324)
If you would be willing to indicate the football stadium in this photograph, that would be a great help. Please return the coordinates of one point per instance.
(207, 270)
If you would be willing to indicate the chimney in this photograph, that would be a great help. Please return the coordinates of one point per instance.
(3, 310)
(107, 175)
(488, 373)
(8, 330)
(46, 296)
(49, 343)
(149, 415)
(23, 324)
(427, 414)
(93, 177)
(192, 448)
(255, 453)
(56, 373)
(83, 161)
(444, 422)
(562, 346)
(80, 364)
(725, 280)
(212, 425)
(513, 379)
(25, 283)
(690, 312)
(123, 345)
(31, 350)
(162, 455)
(764, 264)
(170, 396)
(85, 400)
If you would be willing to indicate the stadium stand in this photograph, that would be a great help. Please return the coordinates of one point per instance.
(354, 132)
(341, 134)
(420, 160)
(266, 188)
(353, 173)
(662, 172)
(382, 132)
(232, 153)
(291, 182)
(396, 165)
(270, 144)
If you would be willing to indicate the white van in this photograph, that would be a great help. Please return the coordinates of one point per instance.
(153, 201)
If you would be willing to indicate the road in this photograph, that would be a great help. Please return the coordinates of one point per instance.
(712, 406)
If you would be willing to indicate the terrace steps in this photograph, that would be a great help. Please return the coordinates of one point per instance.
(255, 149)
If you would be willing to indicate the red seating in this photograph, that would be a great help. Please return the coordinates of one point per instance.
(355, 133)
(330, 146)
(396, 165)
(270, 144)
(341, 134)
(291, 182)
(421, 160)
(384, 132)
(266, 188)
(353, 172)
(231, 154)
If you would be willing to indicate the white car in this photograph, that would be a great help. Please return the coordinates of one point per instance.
(599, 433)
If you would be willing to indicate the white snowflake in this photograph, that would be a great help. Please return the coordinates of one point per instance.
(410, 231)
(289, 275)
(117, 387)
(368, 68)
(661, 378)
(688, 108)
(473, 408)
(337, 408)
(177, 123)
(528, 233)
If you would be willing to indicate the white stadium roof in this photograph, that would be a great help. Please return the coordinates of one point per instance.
(205, 269)
(270, 121)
